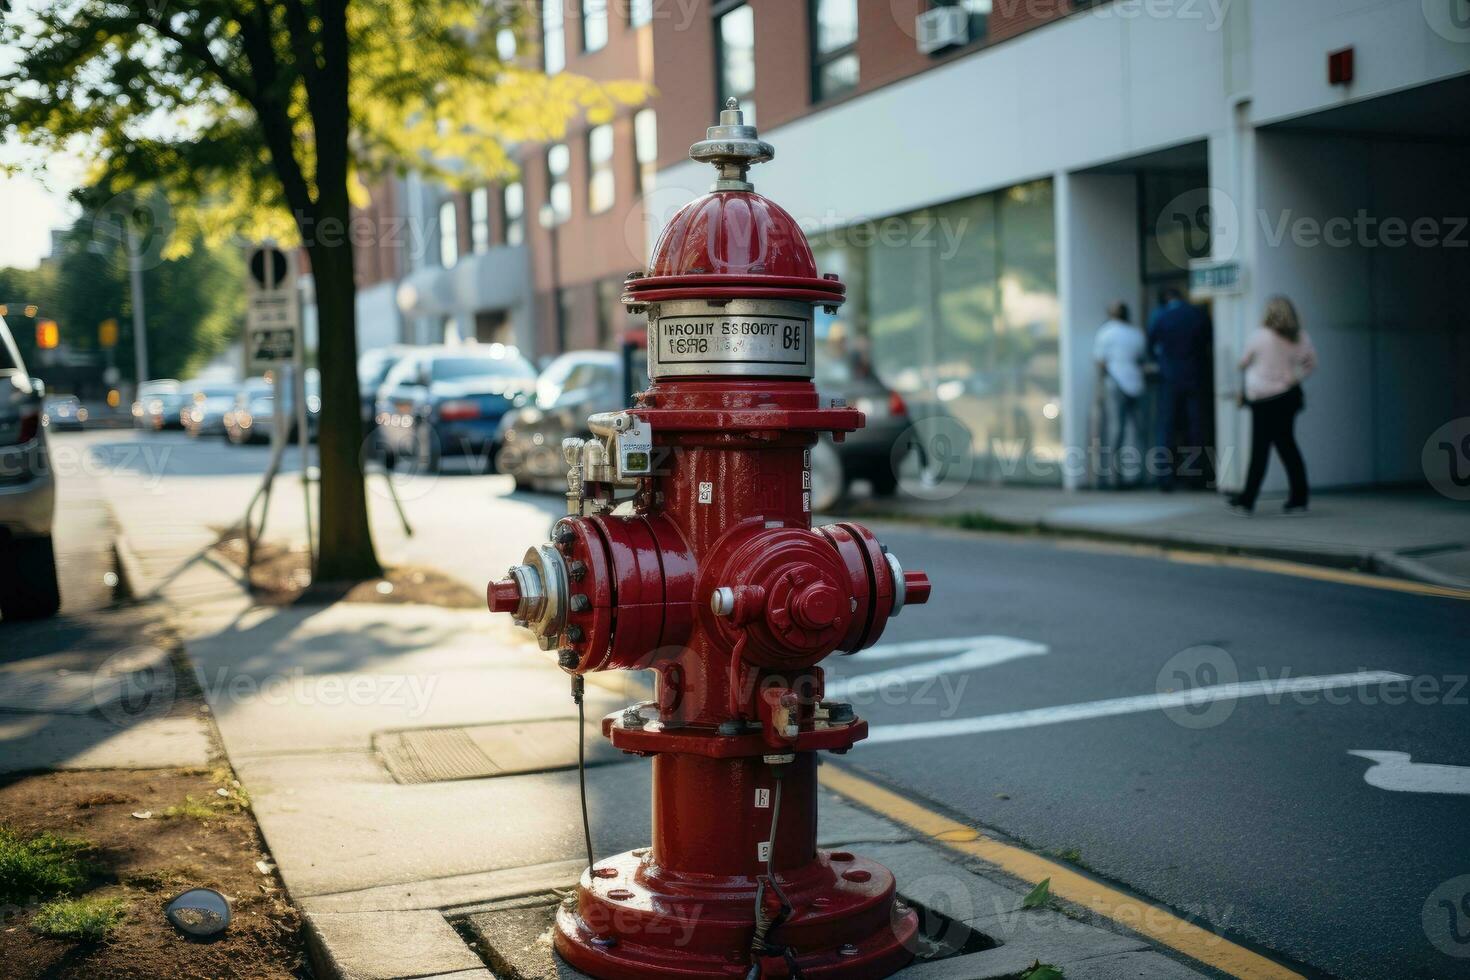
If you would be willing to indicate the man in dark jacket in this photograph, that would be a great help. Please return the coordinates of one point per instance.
(1178, 337)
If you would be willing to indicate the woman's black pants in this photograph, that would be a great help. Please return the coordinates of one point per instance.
(1272, 424)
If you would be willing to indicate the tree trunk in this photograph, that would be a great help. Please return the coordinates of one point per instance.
(347, 553)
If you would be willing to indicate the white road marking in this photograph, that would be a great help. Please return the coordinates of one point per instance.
(976, 658)
(1003, 648)
(1037, 717)
(1394, 772)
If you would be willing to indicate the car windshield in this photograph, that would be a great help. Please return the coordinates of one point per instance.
(484, 366)
(373, 367)
(568, 376)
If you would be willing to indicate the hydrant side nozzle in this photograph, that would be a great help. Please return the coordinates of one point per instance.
(916, 588)
(503, 597)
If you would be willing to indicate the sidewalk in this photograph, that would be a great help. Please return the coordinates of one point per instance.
(366, 735)
(1405, 534)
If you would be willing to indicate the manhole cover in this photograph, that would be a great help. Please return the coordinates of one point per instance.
(434, 755)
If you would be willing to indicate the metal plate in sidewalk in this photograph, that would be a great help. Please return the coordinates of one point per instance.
(434, 755)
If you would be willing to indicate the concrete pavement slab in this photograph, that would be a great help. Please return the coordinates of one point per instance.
(389, 946)
(336, 823)
(39, 741)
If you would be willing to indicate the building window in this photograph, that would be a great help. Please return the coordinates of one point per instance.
(834, 48)
(559, 190)
(553, 37)
(513, 213)
(601, 183)
(480, 220)
(735, 57)
(505, 44)
(640, 12)
(645, 147)
(594, 25)
(448, 235)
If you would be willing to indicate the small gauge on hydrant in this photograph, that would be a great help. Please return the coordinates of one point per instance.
(717, 581)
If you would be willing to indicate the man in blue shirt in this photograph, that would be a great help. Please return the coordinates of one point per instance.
(1179, 338)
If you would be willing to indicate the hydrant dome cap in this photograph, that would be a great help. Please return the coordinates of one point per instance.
(733, 233)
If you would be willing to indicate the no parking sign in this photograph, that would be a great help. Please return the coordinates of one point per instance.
(272, 308)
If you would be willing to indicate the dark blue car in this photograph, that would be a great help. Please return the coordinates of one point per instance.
(448, 401)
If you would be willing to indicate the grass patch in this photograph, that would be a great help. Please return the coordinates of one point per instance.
(227, 799)
(87, 919)
(192, 809)
(39, 866)
(160, 879)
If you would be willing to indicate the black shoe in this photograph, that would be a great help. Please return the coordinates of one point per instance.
(1294, 510)
(1240, 508)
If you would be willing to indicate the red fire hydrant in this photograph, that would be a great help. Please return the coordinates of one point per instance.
(717, 582)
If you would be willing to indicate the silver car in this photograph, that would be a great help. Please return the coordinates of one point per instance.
(28, 587)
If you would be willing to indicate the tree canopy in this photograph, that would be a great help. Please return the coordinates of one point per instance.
(238, 109)
(260, 117)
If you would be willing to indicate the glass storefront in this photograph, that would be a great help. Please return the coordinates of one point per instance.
(956, 308)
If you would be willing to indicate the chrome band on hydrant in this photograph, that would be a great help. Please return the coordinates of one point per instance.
(712, 576)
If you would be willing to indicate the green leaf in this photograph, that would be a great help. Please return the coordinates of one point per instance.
(1040, 895)
(1042, 971)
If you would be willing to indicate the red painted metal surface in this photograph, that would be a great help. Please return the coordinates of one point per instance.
(739, 709)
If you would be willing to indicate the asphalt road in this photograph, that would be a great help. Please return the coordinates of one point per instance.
(1244, 811)
(1247, 812)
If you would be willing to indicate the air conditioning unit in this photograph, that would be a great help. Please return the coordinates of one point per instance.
(943, 27)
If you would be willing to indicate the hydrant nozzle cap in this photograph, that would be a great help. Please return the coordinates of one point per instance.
(733, 147)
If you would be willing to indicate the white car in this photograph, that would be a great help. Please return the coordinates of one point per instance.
(28, 587)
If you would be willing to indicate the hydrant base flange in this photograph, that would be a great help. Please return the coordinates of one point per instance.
(632, 922)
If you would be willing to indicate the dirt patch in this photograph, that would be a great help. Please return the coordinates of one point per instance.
(144, 863)
(281, 576)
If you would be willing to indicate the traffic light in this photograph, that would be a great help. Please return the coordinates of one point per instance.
(48, 334)
(107, 333)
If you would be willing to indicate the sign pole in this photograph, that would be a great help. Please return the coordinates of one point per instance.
(273, 343)
(304, 434)
(140, 325)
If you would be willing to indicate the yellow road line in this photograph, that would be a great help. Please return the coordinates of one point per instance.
(1320, 572)
(1141, 917)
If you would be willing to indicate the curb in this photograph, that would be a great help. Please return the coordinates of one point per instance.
(1387, 564)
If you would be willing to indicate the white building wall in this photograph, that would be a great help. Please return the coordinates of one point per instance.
(1098, 264)
(378, 321)
(1398, 44)
(1093, 88)
(1389, 321)
(1119, 82)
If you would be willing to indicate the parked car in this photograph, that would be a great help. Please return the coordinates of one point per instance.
(372, 368)
(205, 405)
(448, 401)
(64, 412)
(28, 588)
(253, 418)
(164, 410)
(250, 390)
(571, 388)
(869, 453)
(150, 392)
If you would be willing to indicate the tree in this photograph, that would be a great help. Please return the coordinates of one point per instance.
(260, 117)
(195, 299)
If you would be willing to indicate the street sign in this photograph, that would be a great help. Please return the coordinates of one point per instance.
(1209, 278)
(272, 308)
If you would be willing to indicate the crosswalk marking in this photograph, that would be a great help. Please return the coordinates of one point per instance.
(978, 652)
(1037, 717)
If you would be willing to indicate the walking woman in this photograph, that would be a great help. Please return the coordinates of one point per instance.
(1278, 358)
